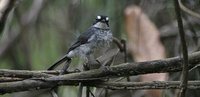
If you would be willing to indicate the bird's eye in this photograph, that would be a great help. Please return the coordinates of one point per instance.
(107, 18)
(98, 17)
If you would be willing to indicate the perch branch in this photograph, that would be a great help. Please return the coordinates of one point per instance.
(128, 69)
(25, 73)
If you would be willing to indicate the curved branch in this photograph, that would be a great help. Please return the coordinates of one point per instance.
(187, 10)
(5, 7)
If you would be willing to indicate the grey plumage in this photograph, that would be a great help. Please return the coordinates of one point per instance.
(98, 36)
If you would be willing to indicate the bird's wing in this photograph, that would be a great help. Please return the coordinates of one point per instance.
(60, 61)
(82, 39)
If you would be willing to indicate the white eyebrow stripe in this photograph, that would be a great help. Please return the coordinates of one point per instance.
(107, 18)
(98, 17)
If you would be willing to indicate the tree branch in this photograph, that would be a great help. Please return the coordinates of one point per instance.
(187, 10)
(146, 85)
(28, 85)
(126, 69)
(5, 7)
(26, 20)
(24, 73)
(184, 73)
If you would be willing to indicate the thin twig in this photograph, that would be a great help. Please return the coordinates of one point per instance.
(80, 90)
(53, 93)
(118, 43)
(184, 50)
(125, 55)
(30, 17)
(187, 10)
(5, 7)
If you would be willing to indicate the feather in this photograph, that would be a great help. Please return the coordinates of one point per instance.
(82, 39)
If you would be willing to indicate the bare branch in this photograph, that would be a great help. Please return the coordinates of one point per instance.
(23, 73)
(28, 85)
(187, 10)
(5, 7)
(146, 85)
(9, 79)
(27, 19)
(127, 69)
(184, 50)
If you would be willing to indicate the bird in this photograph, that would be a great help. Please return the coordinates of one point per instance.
(97, 36)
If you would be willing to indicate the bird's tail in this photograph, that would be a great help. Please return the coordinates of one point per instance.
(60, 61)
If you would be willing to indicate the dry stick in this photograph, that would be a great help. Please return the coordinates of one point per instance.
(107, 85)
(80, 90)
(146, 85)
(54, 94)
(106, 92)
(5, 7)
(154, 66)
(24, 73)
(85, 68)
(88, 91)
(118, 43)
(80, 87)
(9, 79)
(125, 55)
(184, 73)
(187, 10)
(123, 70)
(125, 60)
(28, 18)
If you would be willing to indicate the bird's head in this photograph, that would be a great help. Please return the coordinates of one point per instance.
(101, 22)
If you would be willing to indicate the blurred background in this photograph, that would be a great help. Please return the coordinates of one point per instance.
(38, 32)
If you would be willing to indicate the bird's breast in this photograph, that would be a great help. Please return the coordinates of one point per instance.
(103, 38)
